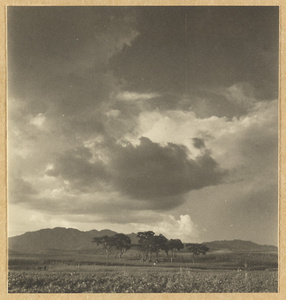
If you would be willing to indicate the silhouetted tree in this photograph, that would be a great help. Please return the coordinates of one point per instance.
(150, 243)
(122, 243)
(144, 243)
(174, 244)
(106, 241)
(197, 249)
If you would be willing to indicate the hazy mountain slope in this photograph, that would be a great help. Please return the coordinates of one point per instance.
(239, 245)
(57, 238)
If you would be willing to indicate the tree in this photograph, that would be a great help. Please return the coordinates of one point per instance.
(158, 242)
(150, 243)
(106, 241)
(144, 243)
(122, 243)
(197, 249)
(174, 244)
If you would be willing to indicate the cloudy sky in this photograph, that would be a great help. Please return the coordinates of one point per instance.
(144, 118)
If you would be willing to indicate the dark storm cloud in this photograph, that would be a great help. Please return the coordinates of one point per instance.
(185, 50)
(76, 167)
(58, 66)
(157, 175)
(58, 57)
(198, 143)
(150, 171)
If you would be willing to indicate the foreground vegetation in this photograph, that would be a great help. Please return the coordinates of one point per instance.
(92, 271)
(143, 281)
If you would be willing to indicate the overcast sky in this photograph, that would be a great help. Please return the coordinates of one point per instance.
(144, 118)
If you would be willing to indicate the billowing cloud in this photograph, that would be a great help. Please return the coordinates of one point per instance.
(149, 170)
(183, 228)
(227, 138)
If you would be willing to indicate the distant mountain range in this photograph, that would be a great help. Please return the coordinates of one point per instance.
(70, 239)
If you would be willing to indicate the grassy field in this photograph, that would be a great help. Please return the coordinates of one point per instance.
(125, 280)
(86, 273)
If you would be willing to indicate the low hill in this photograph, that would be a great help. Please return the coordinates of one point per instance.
(239, 246)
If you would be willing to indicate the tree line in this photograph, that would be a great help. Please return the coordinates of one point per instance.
(149, 244)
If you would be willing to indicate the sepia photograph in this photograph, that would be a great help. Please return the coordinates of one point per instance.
(142, 149)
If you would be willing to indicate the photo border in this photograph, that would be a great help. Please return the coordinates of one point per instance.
(3, 151)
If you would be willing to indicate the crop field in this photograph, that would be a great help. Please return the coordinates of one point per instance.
(85, 273)
(148, 280)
